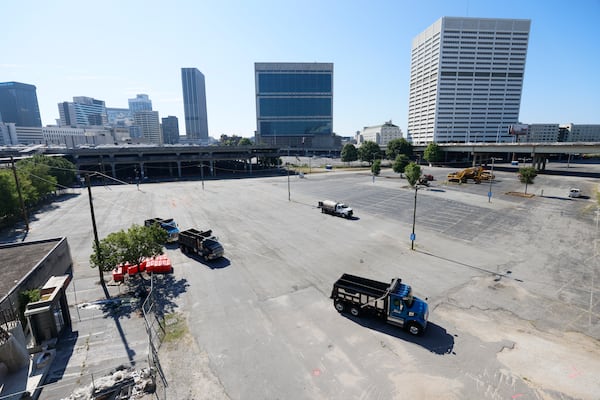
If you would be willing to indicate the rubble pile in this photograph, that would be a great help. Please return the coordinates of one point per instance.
(123, 383)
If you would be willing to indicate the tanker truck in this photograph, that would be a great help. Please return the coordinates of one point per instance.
(334, 208)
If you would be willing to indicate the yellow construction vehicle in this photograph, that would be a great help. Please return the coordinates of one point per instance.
(477, 174)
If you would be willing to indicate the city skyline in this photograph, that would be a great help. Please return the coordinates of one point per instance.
(368, 45)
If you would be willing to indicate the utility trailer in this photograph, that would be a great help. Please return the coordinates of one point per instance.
(392, 302)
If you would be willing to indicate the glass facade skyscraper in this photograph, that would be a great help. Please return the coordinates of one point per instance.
(294, 104)
(141, 103)
(194, 104)
(170, 130)
(19, 104)
(466, 79)
(83, 111)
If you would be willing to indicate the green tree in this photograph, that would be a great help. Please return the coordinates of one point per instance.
(38, 174)
(229, 140)
(9, 199)
(349, 153)
(398, 146)
(413, 173)
(527, 175)
(245, 142)
(400, 164)
(369, 152)
(62, 169)
(131, 246)
(376, 167)
(433, 153)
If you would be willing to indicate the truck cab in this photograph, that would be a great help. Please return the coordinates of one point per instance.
(169, 225)
(343, 209)
(403, 307)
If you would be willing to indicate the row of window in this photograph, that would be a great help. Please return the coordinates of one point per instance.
(484, 74)
(295, 127)
(300, 107)
(294, 83)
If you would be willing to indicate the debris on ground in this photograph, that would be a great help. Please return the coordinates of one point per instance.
(123, 383)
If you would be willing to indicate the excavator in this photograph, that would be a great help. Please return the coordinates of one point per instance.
(477, 174)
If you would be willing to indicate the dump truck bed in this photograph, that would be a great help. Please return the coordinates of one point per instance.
(352, 283)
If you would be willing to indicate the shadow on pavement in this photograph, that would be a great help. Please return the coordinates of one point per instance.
(222, 262)
(506, 274)
(64, 350)
(435, 339)
(166, 289)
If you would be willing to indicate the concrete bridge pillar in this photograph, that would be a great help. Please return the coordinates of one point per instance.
(179, 169)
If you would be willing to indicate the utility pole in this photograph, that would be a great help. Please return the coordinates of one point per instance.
(202, 173)
(23, 209)
(96, 241)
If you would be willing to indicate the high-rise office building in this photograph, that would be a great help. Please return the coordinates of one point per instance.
(466, 79)
(149, 124)
(294, 104)
(82, 112)
(19, 104)
(194, 105)
(141, 103)
(119, 116)
(170, 130)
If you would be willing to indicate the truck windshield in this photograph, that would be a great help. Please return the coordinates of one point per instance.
(342, 205)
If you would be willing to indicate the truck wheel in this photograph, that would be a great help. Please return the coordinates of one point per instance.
(354, 311)
(415, 329)
(183, 249)
(339, 306)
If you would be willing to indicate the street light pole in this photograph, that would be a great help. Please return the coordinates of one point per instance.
(413, 236)
(288, 173)
(491, 179)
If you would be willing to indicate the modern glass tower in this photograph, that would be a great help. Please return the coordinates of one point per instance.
(466, 79)
(294, 104)
(19, 104)
(141, 103)
(170, 130)
(194, 104)
(83, 111)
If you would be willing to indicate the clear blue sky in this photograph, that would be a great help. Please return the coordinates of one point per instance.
(114, 49)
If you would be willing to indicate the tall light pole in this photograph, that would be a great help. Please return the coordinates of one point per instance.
(412, 235)
(288, 173)
(491, 179)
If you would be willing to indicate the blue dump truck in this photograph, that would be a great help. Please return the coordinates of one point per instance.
(169, 225)
(393, 302)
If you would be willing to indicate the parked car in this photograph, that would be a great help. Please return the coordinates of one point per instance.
(574, 192)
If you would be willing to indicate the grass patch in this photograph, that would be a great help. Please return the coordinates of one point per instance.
(175, 327)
